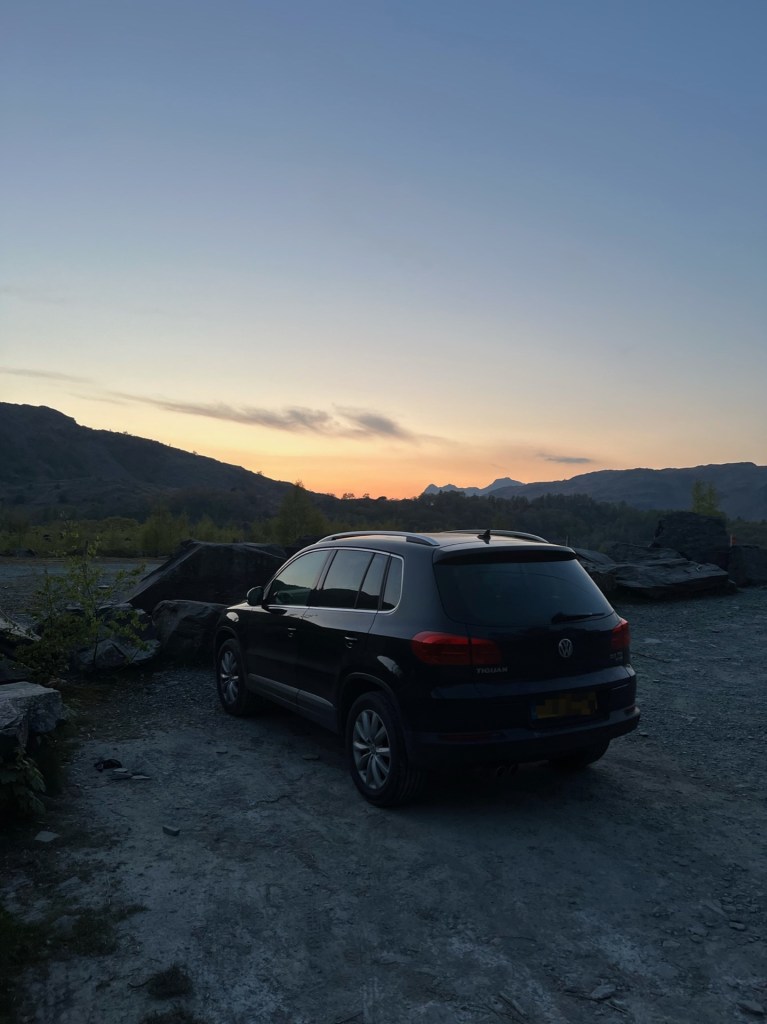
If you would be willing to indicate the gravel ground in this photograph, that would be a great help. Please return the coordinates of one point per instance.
(633, 892)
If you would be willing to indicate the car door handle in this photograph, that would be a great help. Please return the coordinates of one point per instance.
(291, 631)
(350, 641)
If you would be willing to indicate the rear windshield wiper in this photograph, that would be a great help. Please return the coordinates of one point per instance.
(574, 617)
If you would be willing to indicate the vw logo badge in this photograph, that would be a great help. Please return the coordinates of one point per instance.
(565, 648)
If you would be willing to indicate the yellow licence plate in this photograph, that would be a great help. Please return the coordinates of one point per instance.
(567, 705)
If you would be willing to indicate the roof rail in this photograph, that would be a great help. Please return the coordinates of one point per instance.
(412, 538)
(504, 533)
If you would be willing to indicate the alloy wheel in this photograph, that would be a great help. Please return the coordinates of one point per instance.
(371, 749)
(229, 676)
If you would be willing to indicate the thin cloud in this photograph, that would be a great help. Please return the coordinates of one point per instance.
(372, 424)
(44, 374)
(568, 460)
(33, 295)
(352, 423)
(292, 420)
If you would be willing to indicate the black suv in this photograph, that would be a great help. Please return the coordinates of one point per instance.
(428, 650)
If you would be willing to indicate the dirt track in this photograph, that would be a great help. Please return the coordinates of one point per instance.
(634, 892)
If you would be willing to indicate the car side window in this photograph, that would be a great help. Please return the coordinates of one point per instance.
(343, 580)
(393, 588)
(294, 584)
(370, 591)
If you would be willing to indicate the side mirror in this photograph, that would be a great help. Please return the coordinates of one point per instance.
(255, 596)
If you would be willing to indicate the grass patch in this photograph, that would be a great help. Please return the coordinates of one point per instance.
(173, 981)
(21, 945)
(92, 933)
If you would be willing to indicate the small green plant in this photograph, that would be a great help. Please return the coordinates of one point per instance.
(68, 608)
(176, 1015)
(173, 981)
(20, 782)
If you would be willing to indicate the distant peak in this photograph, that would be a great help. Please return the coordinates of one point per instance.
(501, 481)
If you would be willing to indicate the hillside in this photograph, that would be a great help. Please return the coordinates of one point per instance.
(52, 465)
(50, 461)
(741, 486)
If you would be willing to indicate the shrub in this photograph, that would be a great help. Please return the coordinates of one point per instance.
(67, 608)
(20, 782)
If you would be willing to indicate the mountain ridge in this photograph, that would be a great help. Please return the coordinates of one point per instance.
(741, 487)
(470, 492)
(51, 465)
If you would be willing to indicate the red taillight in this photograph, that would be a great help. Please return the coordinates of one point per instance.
(485, 652)
(621, 637)
(452, 649)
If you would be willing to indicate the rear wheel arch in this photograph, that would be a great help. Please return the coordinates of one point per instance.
(352, 687)
(376, 751)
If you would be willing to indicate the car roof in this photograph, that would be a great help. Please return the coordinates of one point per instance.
(453, 540)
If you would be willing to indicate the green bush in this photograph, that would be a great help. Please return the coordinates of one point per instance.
(67, 610)
(20, 782)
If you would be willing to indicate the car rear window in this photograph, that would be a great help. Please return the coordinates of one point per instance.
(518, 593)
(393, 588)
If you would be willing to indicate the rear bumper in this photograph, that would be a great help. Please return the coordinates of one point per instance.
(510, 746)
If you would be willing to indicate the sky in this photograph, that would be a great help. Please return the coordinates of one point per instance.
(376, 245)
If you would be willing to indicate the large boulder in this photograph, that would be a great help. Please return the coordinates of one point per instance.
(200, 571)
(27, 708)
(656, 574)
(113, 652)
(668, 578)
(747, 565)
(186, 629)
(702, 539)
(13, 635)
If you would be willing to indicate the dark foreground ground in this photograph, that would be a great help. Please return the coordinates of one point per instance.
(634, 892)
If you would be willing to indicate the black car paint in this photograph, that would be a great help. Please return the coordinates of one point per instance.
(315, 660)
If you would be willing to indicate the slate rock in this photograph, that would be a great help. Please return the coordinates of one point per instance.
(46, 837)
(751, 1007)
(12, 671)
(747, 565)
(702, 539)
(13, 636)
(214, 573)
(110, 654)
(27, 708)
(670, 578)
(656, 574)
(602, 992)
(185, 629)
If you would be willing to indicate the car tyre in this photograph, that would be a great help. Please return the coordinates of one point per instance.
(376, 751)
(235, 698)
(577, 760)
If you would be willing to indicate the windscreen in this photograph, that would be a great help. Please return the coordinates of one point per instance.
(518, 594)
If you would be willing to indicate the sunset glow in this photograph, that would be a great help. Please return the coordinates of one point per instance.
(373, 247)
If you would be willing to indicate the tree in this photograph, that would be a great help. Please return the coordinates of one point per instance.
(705, 500)
(298, 517)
